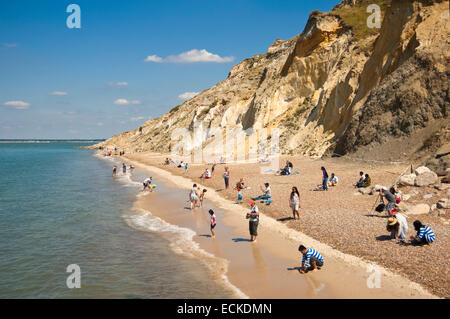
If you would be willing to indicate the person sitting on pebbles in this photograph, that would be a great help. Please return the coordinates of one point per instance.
(424, 236)
(312, 260)
(267, 193)
(334, 180)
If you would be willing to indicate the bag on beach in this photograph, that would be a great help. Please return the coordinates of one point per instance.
(380, 208)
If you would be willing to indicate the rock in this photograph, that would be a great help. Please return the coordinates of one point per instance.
(407, 180)
(428, 196)
(406, 197)
(377, 188)
(441, 187)
(421, 170)
(446, 179)
(426, 179)
(443, 203)
(418, 209)
(448, 193)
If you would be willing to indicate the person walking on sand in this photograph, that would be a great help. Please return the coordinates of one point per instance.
(424, 236)
(202, 197)
(253, 217)
(294, 202)
(324, 179)
(226, 177)
(193, 197)
(114, 170)
(185, 167)
(124, 168)
(312, 259)
(213, 167)
(213, 223)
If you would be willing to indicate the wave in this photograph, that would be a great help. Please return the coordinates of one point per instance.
(182, 243)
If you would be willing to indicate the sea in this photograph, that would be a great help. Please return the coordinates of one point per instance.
(67, 231)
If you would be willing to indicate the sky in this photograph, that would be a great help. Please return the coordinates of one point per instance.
(128, 62)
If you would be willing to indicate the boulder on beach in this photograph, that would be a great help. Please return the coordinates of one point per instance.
(418, 209)
(426, 179)
(408, 180)
(421, 170)
(365, 190)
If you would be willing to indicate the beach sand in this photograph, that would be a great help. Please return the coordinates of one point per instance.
(267, 269)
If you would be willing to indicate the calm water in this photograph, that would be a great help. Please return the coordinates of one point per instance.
(60, 206)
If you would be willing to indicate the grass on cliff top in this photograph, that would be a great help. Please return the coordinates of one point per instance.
(356, 17)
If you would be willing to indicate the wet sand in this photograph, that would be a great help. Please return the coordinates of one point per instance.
(268, 268)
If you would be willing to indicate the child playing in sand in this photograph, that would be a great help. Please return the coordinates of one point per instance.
(312, 259)
(213, 223)
(202, 196)
(239, 198)
(334, 180)
(424, 236)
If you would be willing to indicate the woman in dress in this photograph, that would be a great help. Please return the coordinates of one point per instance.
(294, 202)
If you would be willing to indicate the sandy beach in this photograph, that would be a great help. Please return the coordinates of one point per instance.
(337, 223)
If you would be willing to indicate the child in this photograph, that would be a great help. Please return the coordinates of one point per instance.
(202, 196)
(185, 167)
(239, 199)
(213, 223)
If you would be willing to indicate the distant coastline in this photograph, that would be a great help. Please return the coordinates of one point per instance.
(51, 140)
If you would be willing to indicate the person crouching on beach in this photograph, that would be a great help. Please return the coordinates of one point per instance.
(114, 170)
(213, 223)
(253, 217)
(147, 182)
(424, 236)
(398, 226)
(193, 197)
(202, 197)
(312, 259)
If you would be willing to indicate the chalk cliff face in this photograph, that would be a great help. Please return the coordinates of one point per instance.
(338, 87)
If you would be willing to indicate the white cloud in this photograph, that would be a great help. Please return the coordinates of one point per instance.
(59, 93)
(19, 105)
(153, 58)
(118, 84)
(10, 45)
(126, 102)
(192, 56)
(187, 95)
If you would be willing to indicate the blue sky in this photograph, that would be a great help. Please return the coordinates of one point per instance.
(94, 82)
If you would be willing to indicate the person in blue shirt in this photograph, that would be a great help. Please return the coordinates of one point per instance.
(424, 236)
(312, 259)
(324, 179)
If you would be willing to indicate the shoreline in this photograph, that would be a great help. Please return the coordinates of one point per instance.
(275, 228)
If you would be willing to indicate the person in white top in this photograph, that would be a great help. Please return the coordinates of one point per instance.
(398, 226)
(193, 197)
(334, 180)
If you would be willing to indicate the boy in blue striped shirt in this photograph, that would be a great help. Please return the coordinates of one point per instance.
(312, 259)
(424, 236)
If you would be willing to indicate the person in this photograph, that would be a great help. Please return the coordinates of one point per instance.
(226, 177)
(213, 223)
(294, 202)
(324, 179)
(287, 169)
(124, 168)
(312, 259)
(385, 194)
(267, 193)
(147, 182)
(213, 167)
(202, 196)
(114, 170)
(253, 217)
(240, 184)
(206, 174)
(398, 226)
(180, 165)
(239, 198)
(361, 180)
(367, 181)
(424, 236)
(167, 162)
(333, 180)
(193, 197)
(186, 167)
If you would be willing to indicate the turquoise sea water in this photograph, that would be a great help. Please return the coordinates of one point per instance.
(59, 206)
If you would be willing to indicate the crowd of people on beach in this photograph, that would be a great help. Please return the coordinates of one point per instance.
(397, 224)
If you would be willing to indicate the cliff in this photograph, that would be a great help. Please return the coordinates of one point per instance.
(337, 88)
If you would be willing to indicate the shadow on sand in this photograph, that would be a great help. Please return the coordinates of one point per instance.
(237, 240)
